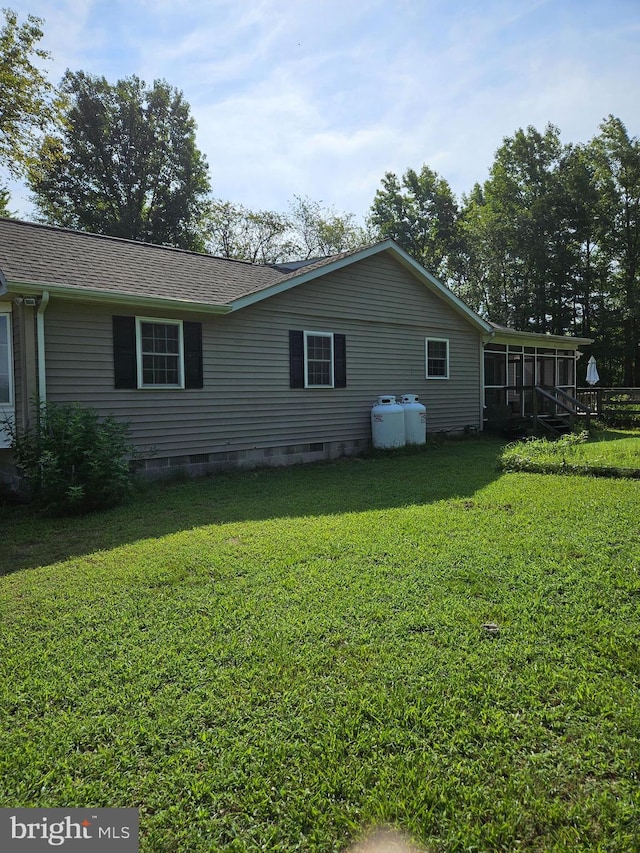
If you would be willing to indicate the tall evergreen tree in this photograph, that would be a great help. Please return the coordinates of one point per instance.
(517, 232)
(549, 243)
(617, 161)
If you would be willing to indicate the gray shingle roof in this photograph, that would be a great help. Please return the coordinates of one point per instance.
(37, 257)
(31, 253)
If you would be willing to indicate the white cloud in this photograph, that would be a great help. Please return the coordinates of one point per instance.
(321, 98)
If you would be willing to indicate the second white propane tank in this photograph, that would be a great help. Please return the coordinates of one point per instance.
(387, 422)
(415, 419)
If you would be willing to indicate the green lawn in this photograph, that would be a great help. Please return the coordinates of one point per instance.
(280, 660)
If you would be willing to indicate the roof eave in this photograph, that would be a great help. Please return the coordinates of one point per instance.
(35, 288)
(508, 335)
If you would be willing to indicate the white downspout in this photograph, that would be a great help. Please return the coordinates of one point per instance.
(42, 366)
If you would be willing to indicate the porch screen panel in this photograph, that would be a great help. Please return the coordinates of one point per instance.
(546, 371)
(515, 381)
(495, 376)
(495, 368)
(566, 372)
(529, 370)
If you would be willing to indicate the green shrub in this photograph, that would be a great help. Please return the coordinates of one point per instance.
(605, 454)
(622, 419)
(73, 461)
(542, 454)
(622, 411)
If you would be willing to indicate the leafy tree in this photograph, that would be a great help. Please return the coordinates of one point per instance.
(483, 281)
(28, 104)
(421, 214)
(617, 163)
(595, 307)
(126, 163)
(319, 232)
(549, 243)
(581, 211)
(519, 235)
(268, 237)
(4, 204)
(234, 231)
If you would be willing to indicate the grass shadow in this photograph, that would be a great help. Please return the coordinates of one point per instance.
(437, 472)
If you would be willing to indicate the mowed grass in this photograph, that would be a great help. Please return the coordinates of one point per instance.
(281, 660)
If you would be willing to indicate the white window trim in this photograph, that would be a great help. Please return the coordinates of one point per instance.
(8, 409)
(6, 312)
(307, 335)
(427, 341)
(164, 321)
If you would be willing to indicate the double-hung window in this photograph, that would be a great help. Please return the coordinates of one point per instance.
(317, 360)
(150, 352)
(437, 353)
(159, 353)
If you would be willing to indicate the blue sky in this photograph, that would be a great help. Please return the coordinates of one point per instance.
(320, 98)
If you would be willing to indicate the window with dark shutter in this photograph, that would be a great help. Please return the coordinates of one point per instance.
(160, 353)
(296, 359)
(124, 352)
(150, 353)
(340, 361)
(193, 377)
(317, 360)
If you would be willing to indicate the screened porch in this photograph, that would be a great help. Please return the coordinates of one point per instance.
(532, 385)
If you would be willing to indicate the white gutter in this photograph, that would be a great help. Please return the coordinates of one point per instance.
(42, 368)
(34, 288)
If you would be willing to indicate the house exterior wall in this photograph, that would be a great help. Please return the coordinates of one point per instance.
(7, 408)
(7, 473)
(246, 413)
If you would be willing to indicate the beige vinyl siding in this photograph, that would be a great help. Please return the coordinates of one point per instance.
(246, 402)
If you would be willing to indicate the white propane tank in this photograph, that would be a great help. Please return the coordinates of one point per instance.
(415, 419)
(387, 422)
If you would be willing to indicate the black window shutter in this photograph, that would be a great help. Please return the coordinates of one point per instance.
(296, 359)
(339, 361)
(192, 333)
(124, 352)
